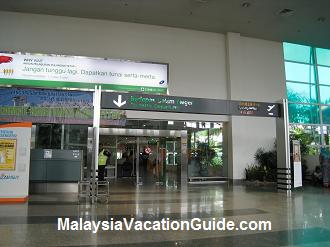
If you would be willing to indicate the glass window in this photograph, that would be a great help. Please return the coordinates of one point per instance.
(310, 135)
(325, 94)
(75, 135)
(324, 75)
(206, 145)
(304, 86)
(298, 92)
(326, 114)
(301, 113)
(299, 72)
(48, 136)
(298, 53)
(323, 56)
(327, 135)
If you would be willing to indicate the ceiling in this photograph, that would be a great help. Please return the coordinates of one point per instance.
(307, 23)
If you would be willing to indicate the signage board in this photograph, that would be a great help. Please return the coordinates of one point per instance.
(48, 154)
(56, 71)
(7, 153)
(76, 154)
(148, 102)
(15, 140)
(297, 169)
(52, 106)
(257, 109)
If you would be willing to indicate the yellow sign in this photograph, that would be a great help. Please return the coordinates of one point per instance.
(7, 154)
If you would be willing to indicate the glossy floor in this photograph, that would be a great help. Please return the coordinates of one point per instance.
(302, 219)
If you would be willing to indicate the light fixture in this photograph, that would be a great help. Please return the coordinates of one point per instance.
(286, 12)
(202, 1)
(246, 4)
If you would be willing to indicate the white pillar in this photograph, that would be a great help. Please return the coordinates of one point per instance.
(255, 72)
(96, 135)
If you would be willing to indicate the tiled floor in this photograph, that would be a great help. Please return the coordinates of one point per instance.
(302, 219)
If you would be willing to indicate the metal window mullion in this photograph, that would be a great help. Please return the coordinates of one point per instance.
(291, 61)
(301, 82)
(322, 65)
(62, 136)
(324, 85)
(302, 103)
(304, 124)
(115, 155)
(318, 95)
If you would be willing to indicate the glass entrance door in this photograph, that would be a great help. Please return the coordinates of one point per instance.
(126, 156)
(150, 160)
(170, 161)
(149, 164)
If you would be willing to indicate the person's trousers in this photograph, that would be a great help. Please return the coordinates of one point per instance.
(101, 173)
(326, 175)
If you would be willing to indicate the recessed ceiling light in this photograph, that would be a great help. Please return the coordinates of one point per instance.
(202, 1)
(246, 4)
(286, 12)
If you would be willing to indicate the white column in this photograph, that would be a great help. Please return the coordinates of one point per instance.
(96, 135)
(255, 72)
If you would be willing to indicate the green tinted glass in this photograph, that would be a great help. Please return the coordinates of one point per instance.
(323, 56)
(299, 72)
(299, 113)
(310, 134)
(327, 135)
(326, 114)
(298, 92)
(324, 75)
(297, 53)
(325, 94)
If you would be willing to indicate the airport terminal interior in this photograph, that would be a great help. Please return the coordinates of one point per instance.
(206, 122)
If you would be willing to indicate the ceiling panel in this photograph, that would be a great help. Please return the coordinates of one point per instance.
(307, 24)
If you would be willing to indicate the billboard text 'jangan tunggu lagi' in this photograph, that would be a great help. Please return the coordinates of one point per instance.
(56, 71)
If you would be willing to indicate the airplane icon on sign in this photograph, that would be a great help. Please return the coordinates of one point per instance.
(269, 108)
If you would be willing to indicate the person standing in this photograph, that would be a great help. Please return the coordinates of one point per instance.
(325, 163)
(102, 163)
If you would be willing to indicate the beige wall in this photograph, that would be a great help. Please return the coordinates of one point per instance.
(202, 64)
(196, 59)
(255, 72)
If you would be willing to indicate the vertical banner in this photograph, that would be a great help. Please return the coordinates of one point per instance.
(15, 140)
(297, 171)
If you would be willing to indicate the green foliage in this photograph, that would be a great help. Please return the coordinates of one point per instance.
(266, 159)
(216, 161)
(208, 156)
(305, 140)
(265, 169)
(254, 172)
(301, 113)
